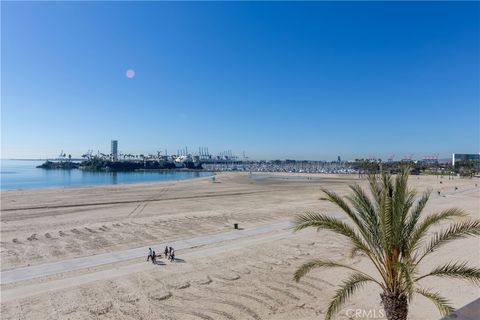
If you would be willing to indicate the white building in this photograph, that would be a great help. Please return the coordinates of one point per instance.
(114, 150)
(464, 156)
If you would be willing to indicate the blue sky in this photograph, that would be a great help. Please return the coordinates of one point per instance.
(308, 80)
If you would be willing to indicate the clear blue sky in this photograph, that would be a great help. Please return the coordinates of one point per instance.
(309, 80)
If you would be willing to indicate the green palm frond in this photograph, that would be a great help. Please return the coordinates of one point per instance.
(326, 263)
(363, 205)
(321, 221)
(458, 230)
(354, 251)
(402, 200)
(365, 209)
(407, 282)
(415, 214)
(421, 229)
(375, 189)
(400, 214)
(403, 216)
(442, 304)
(346, 290)
(338, 201)
(457, 270)
(385, 216)
(399, 199)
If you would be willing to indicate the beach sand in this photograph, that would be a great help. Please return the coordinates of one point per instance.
(242, 278)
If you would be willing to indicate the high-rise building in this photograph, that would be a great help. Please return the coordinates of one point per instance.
(463, 156)
(339, 159)
(114, 150)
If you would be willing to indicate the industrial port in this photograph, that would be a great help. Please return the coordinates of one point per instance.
(202, 159)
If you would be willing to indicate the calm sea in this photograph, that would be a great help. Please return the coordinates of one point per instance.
(23, 174)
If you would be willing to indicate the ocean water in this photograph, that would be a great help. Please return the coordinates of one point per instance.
(23, 174)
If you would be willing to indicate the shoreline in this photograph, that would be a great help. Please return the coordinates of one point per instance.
(107, 184)
(261, 175)
(213, 173)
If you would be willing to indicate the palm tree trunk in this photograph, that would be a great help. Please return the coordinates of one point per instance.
(395, 305)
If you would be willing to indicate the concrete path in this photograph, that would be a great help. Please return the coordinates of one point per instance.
(27, 289)
(47, 269)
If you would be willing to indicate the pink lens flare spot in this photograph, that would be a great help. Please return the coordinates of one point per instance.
(130, 73)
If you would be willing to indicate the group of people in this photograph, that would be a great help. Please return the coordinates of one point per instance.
(169, 254)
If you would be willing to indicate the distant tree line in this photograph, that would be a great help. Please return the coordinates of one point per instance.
(463, 168)
(58, 165)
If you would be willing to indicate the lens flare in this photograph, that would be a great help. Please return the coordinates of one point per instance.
(130, 73)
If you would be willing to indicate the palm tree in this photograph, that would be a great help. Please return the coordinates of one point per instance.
(389, 229)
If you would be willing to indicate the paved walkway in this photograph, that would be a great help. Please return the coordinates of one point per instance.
(47, 269)
(27, 289)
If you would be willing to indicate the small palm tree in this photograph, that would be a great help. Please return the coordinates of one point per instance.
(388, 228)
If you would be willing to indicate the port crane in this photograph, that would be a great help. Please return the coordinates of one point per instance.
(431, 158)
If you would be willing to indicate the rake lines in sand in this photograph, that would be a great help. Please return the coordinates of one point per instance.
(143, 204)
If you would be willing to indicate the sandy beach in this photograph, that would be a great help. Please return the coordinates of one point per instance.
(240, 277)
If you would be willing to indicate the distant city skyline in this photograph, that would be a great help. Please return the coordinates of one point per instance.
(278, 80)
(240, 155)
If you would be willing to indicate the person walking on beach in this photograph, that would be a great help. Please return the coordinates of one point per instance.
(154, 257)
(166, 252)
(172, 255)
(150, 254)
